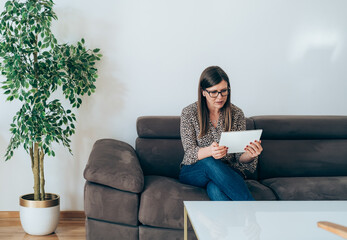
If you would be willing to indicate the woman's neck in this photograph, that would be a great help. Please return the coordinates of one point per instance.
(214, 117)
(214, 111)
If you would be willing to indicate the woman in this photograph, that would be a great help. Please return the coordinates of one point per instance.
(205, 163)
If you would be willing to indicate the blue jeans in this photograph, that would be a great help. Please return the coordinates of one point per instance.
(222, 182)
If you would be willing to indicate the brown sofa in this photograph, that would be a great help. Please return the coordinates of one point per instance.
(135, 194)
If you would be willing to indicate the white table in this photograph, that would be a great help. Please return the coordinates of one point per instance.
(264, 220)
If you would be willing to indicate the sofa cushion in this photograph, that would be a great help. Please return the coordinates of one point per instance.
(260, 191)
(302, 127)
(165, 126)
(158, 127)
(303, 158)
(160, 156)
(309, 188)
(162, 201)
(114, 163)
(109, 204)
(101, 230)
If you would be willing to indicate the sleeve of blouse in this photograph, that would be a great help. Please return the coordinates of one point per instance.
(188, 138)
(241, 126)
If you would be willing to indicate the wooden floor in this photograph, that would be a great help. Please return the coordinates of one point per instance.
(68, 229)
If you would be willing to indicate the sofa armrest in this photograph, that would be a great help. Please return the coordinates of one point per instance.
(115, 164)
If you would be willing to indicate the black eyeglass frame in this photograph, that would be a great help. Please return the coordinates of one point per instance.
(218, 92)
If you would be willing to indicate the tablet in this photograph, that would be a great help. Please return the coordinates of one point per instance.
(238, 140)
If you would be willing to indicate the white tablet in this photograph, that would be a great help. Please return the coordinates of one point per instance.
(237, 141)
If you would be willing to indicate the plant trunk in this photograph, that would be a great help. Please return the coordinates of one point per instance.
(37, 157)
(36, 172)
(42, 176)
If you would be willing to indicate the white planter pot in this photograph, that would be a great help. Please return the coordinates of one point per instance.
(39, 217)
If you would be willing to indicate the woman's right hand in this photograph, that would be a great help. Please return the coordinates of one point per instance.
(217, 151)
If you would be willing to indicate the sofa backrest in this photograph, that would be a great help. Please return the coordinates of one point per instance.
(297, 146)
(159, 145)
(294, 146)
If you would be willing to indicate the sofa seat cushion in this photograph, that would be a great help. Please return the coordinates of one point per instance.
(260, 191)
(162, 201)
(309, 188)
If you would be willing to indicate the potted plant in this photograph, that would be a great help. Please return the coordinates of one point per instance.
(35, 66)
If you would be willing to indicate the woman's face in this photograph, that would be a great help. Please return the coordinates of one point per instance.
(219, 101)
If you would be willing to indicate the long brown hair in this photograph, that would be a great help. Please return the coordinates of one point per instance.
(209, 77)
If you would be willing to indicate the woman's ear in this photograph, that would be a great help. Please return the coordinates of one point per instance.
(203, 93)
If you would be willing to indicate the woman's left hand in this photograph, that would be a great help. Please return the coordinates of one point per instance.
(254, 149)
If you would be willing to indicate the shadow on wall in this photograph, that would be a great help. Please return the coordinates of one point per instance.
(95, 117)
(3, 146)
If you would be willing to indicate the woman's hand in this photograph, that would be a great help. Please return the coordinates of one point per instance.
(217, 151)
(252, 150)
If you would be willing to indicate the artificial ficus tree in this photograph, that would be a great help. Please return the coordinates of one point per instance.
(35, 65)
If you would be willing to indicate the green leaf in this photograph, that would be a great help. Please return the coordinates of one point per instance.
(8, 3)
(96, 50)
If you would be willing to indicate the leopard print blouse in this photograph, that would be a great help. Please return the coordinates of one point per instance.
(191, 143)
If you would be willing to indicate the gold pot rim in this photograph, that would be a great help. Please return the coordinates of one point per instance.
(51, 200)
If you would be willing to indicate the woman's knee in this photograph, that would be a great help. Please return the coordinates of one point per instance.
(193, 175)
(215, 193)
(210, 162)
(212, 165)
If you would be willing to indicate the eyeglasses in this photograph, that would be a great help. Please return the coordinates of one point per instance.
(214, 94)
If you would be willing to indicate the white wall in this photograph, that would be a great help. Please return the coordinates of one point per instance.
(283, 57)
